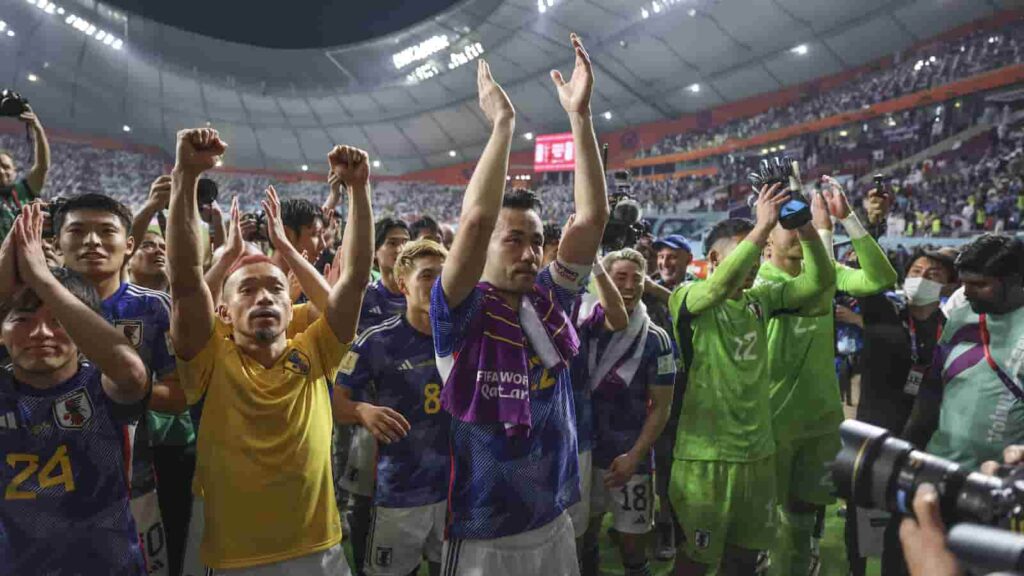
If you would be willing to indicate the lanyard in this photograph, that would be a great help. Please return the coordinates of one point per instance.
(915, 357)
(1007, 381)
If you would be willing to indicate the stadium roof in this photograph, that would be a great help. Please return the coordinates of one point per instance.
(283, 108)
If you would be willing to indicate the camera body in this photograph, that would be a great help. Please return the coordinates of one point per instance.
(206, 192)
(876, 470)
(50, 210)
(12, 104)
(260, 234)
(797, 211)
(625, 225)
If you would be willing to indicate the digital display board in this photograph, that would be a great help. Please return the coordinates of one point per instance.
(554, 153)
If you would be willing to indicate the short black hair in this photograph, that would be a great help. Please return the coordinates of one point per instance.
(385, 225)
(521, 199)
(425, 223)
(996, 255)
(947, 262)
(552, 233)
(729, 228)
(93, 201)
(25, 300)
(299, 212)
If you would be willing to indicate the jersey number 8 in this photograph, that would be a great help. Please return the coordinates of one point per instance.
(432, 398)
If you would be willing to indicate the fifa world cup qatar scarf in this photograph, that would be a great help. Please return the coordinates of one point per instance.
(490, 377)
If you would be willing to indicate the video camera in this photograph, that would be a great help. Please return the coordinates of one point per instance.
(797, 211)
(624, 226)
(12, 104)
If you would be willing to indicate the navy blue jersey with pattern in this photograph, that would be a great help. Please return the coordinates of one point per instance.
(144, 316)
(64, 479)
(393, 365)
(379, 304)
(582, 405)
(619, 415)
(500, 485)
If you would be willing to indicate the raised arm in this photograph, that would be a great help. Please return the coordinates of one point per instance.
(876, 273)
(191, 301)
(159, 196)
(482, 201)
(615, 315)
(730, 274)
(125, 376)
(36, 176)
(580, 243)
(314, 286)
(346, 297)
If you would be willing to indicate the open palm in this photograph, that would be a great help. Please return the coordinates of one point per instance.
(575, 94)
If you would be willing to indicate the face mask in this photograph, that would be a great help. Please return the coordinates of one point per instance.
(921, 291)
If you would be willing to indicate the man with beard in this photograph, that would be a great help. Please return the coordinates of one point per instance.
(264, 457)
(674, 255)
(503, 348)
(14, 191)
(974, 387)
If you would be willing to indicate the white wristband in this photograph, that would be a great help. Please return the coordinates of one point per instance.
(853, 227)
(827, 239)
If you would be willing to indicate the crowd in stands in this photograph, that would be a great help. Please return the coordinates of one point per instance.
(929, 66)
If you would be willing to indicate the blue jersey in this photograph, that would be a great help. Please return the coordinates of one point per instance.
(582, 405)
(379, 304)
(619, 415)
(500, 485)
(65, 479)
(144, 316)
(393, 365)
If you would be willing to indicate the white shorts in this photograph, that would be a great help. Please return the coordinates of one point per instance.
(401, 537)
(631, 506)
(579, 512)
(361, 468)
(330, 562)
(549, 551)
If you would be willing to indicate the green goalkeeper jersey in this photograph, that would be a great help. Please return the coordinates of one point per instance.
(801, 346)
(726, 411)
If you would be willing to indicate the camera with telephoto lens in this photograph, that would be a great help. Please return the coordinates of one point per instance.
(12, 104)
(50, 211)
(797, 210)
(206, 192)
(876, 470)
(624, 226)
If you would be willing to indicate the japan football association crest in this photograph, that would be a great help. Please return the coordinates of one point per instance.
(382, 556)
(132, 330)
(73, 410)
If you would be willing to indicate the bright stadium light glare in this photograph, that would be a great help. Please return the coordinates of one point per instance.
(528, 135)
(305, 167)
(452, 153)
(799, 49)
(126, 128)
(10, 33)
(692, 12)
(51, 8)
(70, 19)
(32, 77)
(608, 115)
(60, 11)
(656, 7)
(101, 35)
(117, 44)
(843, 133)
(3, 25)
(376, 163)
(644, 13)
(782, 146)
(695, 88)
(108, 40)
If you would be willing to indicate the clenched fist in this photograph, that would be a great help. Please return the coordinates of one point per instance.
(198, 150)
(350, 165)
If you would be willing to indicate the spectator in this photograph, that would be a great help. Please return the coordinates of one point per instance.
(14, 191)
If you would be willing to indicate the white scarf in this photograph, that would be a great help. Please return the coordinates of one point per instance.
(620, 343)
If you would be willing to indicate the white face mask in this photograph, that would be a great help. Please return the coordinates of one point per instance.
(921, 291)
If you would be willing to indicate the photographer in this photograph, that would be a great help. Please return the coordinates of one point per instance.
(974, 390)
(15, 192)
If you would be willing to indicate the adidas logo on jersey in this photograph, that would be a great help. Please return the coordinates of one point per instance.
(8, 421)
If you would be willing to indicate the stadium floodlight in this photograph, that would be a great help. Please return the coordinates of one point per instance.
(421, 51)
(126, 128)
(305, 167)
(843, 133)
(695, 87)
(32, 77)
(10, 33)
(656, 7)
(3, 25)
(70, 19)
(50, 8)
(692, 12)
(644, 13)
(31, 2)
(60, 10)
(528, 135)
(799, 49)
(108, 40)
(101, 35)
(782, 146)
(452, 153)
(376, 163)
(608, 115)
(541, 7)
(764, 151)
(117, 44)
